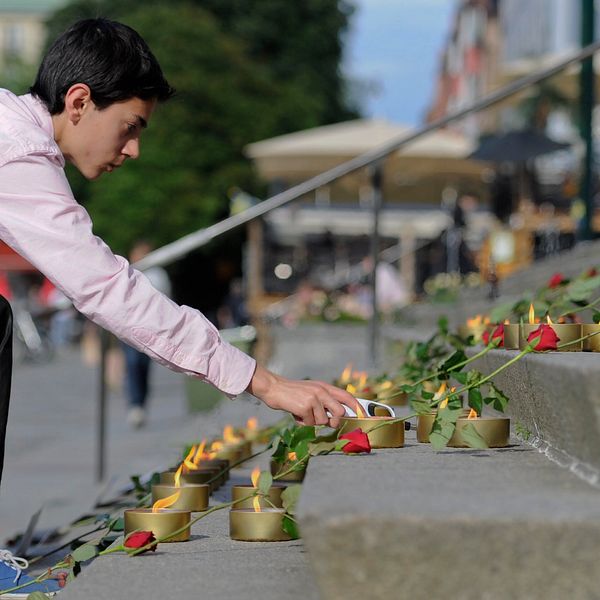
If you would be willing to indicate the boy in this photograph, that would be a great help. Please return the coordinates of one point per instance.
(95, 92)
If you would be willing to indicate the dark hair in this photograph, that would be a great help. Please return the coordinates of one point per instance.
(111, 58)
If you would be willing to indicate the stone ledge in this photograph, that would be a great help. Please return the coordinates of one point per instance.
(556, 396)
(462, 524)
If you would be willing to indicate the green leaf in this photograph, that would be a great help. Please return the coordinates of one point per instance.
(37, 596)
(596, 317)
(421, 407)
(441, 432)
(471, 437)
(302, 433)
(474, 377)
(475, 400)
(427, 395)
(85, 552)
(301, 449)
(500, 398)
(290, 527)
(265, 481)
(458, 357)
(339, 445)
(443, 325)
(460, 377)
(135, 479)
(117, 524)
(290, 496)
(581, 289)
(321, 448)
(280, 453)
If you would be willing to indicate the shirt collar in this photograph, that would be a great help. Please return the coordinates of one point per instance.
(43, 118)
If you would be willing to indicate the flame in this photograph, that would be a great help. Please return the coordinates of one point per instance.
(444, 403)
(362, 381)
(216, 446)
(255, 475)
(252, 424)
(199, 453)
(486, 321)
(229, 436)
(506, 322)
(351, 389)
(188, 463)
(472, 414)
(531, 314)
(475, 321)
(441, 391)
(360, 413)
(549, 320)
(170, 500)
(292, 456)
(346, 373)
(387, 385)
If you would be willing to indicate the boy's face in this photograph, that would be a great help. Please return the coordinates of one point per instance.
(99, 141)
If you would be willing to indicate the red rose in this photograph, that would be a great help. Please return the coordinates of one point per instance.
(556, 280)
(548, 339)
(359, 442)
(139, 539)
(591, 272)
(497, 336)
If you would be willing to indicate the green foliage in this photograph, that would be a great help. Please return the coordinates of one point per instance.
(289, 498)
(290, 526)
(471, 437)
(85, 552)
(37, 596)
(265, 481)
(244, 72)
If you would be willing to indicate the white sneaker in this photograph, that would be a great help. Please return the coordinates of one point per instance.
(136, 417)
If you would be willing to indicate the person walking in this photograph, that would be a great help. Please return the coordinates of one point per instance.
(137, 364)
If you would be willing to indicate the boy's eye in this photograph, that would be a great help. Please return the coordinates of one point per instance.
(131, 127)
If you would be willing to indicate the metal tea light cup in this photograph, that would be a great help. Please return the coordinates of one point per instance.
(160, 523)
(566, 332)
(296, 475)
(494, 430)
(192, 496)
(592, 344)
(199, 476)
(243, 491)
(246, 525)
(425, 424)
(511, 336)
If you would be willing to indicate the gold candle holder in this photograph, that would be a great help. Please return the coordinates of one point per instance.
(511, 336)
(390, 436)
(193, 477)
(246, 525)
(230, 453)
(160, 523)
(277, 468)
(425, 424)
(192, 497)
(243, 491)
(245, 448)
(494, 430)
(567, 332)
(592, 344)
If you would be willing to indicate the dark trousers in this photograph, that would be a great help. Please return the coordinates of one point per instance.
(6, 329)
(137, 370)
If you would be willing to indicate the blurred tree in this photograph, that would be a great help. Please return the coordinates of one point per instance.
(244, 71)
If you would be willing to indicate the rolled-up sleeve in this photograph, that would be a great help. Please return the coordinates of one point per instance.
(40, 219)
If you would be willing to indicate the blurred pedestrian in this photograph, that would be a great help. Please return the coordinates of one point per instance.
(137, 364)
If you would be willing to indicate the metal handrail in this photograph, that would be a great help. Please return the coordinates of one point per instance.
(175, 250)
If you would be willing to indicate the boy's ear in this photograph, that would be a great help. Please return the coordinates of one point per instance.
(77, 100)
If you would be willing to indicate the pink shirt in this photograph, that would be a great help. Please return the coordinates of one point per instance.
(40, 219)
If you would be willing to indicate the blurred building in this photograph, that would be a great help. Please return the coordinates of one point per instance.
(328, 233)
(23, 29)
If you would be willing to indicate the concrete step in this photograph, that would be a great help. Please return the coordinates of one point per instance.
(417, 524)
(555, 397)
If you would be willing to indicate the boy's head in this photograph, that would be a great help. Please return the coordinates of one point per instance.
(100, 82)
(109, 57)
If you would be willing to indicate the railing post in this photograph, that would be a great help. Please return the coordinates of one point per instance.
(376, 194)
(101, 408)
(586, 107)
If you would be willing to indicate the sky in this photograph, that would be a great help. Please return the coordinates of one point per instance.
(394, 46)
